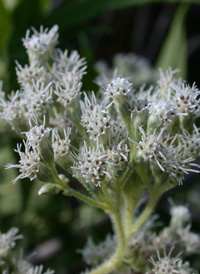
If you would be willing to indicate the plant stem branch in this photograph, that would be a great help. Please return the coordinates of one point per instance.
(117, 257)
(72, 192)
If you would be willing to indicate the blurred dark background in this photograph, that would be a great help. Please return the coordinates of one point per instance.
(166, 33)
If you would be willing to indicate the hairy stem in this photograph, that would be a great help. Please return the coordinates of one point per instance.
(71, 192)
(145, 215)
(117, 257)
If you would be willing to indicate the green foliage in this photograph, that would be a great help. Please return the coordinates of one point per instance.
(174, 50)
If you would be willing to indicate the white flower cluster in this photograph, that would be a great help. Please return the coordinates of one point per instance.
(93, 254)
(7, 241)
(95, 118)
(118, 86)
(169, 265)
(177, 236)
(133, 67)
(28, 164)
(91, 164)
(40, 45)
(157, 120)
(9, 260)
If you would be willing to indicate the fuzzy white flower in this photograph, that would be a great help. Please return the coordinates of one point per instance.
(39, 270)
(151, 147)
(36, 133)
(40, 45)
(60, 146)
(28, 164)
(185, 99)
(72, 63)
(7, 240)
(166, 79)
(67, 89)
(180, 215)
(190, 239)
(118, 86)
(177, 165)
(191, 142)
(22, 266)
(139, 102)
(27, 74)
(117, 154)
(12, 108)
(37, 96)
(95, 117)
(93, 254)
(163, 110)
(169, 265)
(91, 164)
(117, 132)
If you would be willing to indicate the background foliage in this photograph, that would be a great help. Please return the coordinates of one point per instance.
(167, 33)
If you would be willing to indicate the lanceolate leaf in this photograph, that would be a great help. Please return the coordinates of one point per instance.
(174, 50)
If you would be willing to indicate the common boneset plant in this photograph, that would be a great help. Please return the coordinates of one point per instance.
(118, 144)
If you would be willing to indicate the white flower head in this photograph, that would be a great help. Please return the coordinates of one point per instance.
(166, 79)
(151, 147)
(36, 133)
(67, 89)
(60, 146)
(185, 99)
(91, 164)
(12, 108)
(93, 254)
(95, 118)
(118, 154)
(191, 142)
(69, 63)
(163, 110)
(169, 265)
(7, 241)
(117, 132)
(139, 102)
(118, 86)
(190, 240)
(39, 270)
(176, 164)
(37, 96)
(28, 164)
(22, 266)
(180, 215)
(27, 74)
(40, 45)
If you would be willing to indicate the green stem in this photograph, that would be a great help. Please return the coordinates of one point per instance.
(117, 257)
(145, 215)
(124, 178)
(72, 192)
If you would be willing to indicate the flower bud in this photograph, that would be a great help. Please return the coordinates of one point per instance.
(50, 189)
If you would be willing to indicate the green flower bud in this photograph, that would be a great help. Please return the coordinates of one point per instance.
(50, 189)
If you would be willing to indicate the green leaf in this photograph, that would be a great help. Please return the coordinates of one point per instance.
(174, 51)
